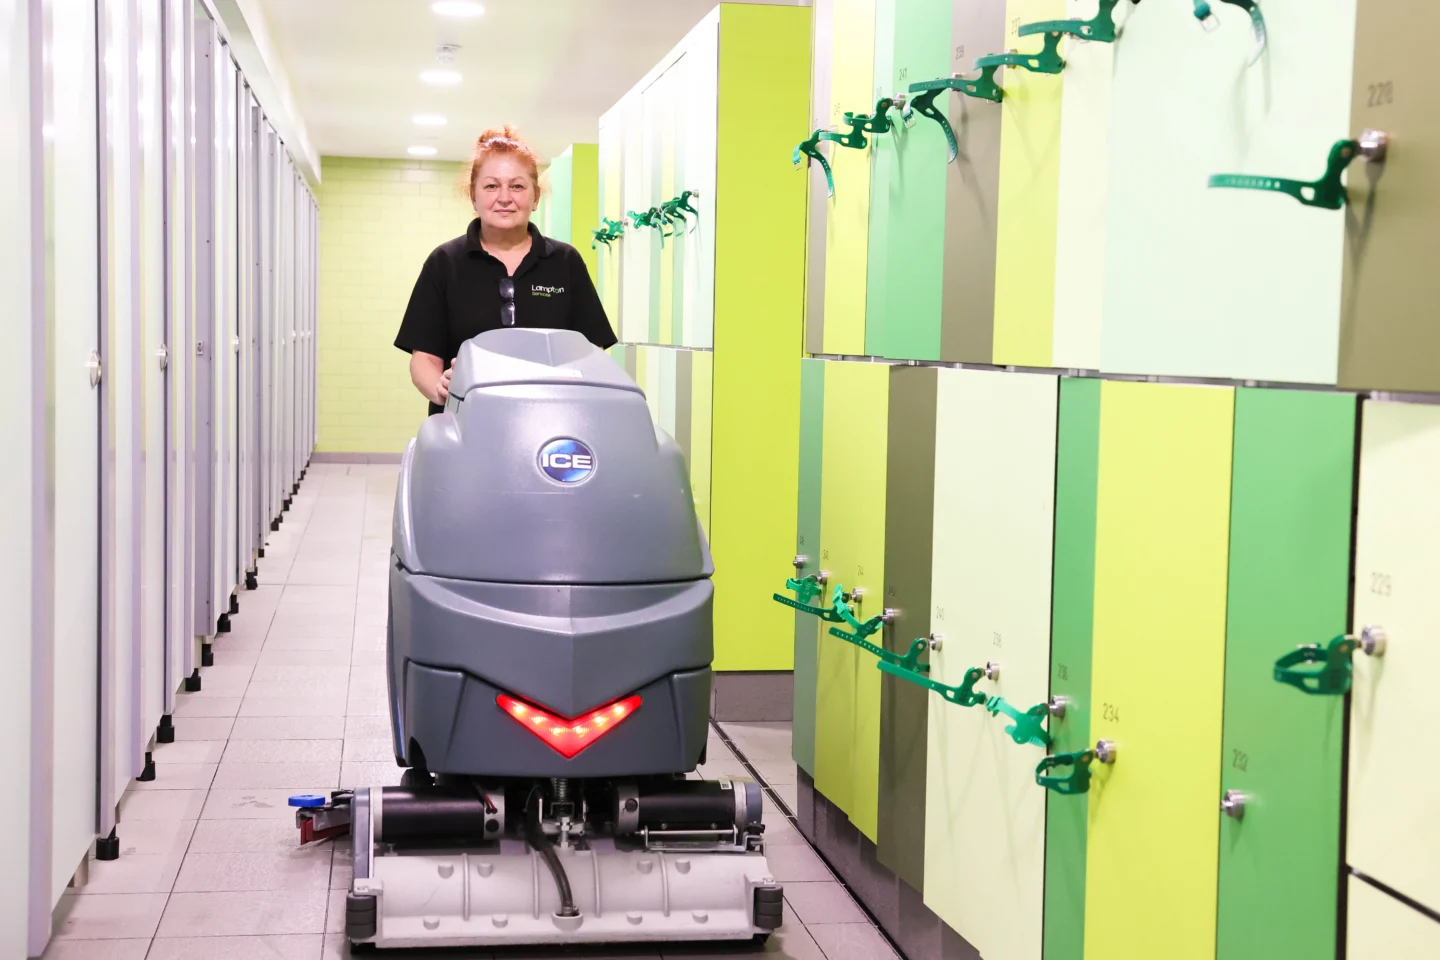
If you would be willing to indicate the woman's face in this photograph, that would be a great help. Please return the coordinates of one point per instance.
(504, 193)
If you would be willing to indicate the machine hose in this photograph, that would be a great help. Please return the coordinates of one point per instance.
(542, 844)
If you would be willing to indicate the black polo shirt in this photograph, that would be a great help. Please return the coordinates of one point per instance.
(457, 296)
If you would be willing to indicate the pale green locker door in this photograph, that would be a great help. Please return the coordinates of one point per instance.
(1189, 104)
(1158, 670)
(990, 592)
(1383, 927)
(697, 105)
(1393, 828)
(852, 550)
(634, 199)
(608, 256)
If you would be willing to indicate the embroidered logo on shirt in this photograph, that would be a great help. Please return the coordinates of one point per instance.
(538, 291)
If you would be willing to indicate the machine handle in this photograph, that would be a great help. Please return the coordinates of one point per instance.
(1327, 192)
(1332, 677)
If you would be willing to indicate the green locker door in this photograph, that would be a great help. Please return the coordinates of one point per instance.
(852, 530)
(1077, 467)
(909, 535)
(907, 189)
(1393, 826)
(993, 542)
(822, 46)
(1289, 585)
(807, 546)
(1381, 926)
(1161, 555)
(1388, 337)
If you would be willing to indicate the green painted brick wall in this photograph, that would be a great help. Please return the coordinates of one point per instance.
(379, 219)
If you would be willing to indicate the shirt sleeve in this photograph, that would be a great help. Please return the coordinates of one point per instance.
(424, 327)
(587, 313)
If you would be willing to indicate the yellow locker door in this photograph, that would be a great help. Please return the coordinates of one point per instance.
(1157, 693)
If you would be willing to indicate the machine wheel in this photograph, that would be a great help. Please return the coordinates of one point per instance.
(362, 948)
(416, 778)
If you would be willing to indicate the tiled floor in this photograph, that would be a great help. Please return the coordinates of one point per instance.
(210, 866)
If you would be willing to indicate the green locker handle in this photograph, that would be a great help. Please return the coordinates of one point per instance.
(811, 149)
(1029, 727)
(1332, 678)
(910, 661)
(1047, 60)
(672, 209)
(984, 88)
(1209, 21)
(609, 231)
(807, 590)
(1101, 29)
(1327, 192)
(963, 695)
(879, 121)
(1077, 781)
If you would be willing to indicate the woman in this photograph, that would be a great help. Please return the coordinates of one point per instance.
(502, 272)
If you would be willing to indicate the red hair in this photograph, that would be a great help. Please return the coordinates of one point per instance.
(495, 142)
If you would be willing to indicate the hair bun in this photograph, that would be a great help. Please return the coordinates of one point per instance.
(494, 140)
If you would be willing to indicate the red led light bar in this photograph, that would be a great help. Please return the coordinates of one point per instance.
(567, 736)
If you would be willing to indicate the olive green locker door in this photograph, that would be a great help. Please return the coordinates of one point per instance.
(1077, 466)
(990, 589)
(1393, 824)
(1161, 554)
(1289, 585)
(807, 557)
(1388, 337)
(852, 552)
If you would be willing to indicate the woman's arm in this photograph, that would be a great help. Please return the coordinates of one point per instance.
(431, 376)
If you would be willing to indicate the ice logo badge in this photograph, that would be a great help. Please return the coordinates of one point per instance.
(566, 461)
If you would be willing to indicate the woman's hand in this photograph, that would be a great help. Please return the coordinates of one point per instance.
(442, 387)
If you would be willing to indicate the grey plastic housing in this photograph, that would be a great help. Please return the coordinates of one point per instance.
(474, 504)
(566, 596)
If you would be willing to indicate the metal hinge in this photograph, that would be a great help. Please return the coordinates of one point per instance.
(95, 368)
(163, 355)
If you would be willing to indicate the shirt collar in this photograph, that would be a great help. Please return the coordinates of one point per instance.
(540, 245)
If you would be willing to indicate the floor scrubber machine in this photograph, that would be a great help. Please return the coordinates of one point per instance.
(549, 650)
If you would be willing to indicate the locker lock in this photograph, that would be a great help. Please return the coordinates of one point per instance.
(1058, 705)
(163, 355)
(823, 577)
(1105, 751)
(937, 641)
(1372, 640)
(992, 670)
(1233, 804)
(95, 366)
(799, 561)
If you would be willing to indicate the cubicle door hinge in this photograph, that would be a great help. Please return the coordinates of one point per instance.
(95, 368)
(163, 355)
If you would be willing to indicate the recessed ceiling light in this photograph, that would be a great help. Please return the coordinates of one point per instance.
(457, 8)
(440, 76)
(422, 151)
(429, 120)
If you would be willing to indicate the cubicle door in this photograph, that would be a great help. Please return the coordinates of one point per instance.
(202, 389)
(72, 185)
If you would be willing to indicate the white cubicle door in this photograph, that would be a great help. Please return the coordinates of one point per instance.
(205, 52)
(227, 339)
(72, 185)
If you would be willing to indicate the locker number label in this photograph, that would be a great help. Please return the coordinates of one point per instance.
(1110, 712)
(996, 640)
(1240, 760)
(1063, 670)
(1382, 94)
(939, 613)
(1380, 584)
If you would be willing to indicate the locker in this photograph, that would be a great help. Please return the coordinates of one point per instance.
(852, 90)
(1085, 87)
(1161, 549)
(907, 192)
(1392, 804)
(1072, 618)
(702, 380)
(1028, 197)
(635, 196)
(1392, 222)
(909, 539)
(822, 46)
(972, 188)
(990, 594)
(72, 184)
(608, 257)
(808, 631)
(1383, 926)
(1289, 581)
(1188, 104)
(852, 550)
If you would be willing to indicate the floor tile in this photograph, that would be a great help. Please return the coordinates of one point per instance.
(204, 728)
(133, 873)
(166, 805)
(282, 751)
(301, 687)
(97, 950)
(339, 645)
(151, 837)
(292, 707)
(254, 776)
(110, 916)
(238, 914)
(354, 775)
(203, 872)
(822, 902)
(791, 863)
(775, 772)
(374, 749)
(289, 728)
(277, 837)
(189, 705)
(177, 776)
(367, 728)
(790, 942)
(292, 947)
(851, 941)
(256, 804)
(276, 657)
(188, 751)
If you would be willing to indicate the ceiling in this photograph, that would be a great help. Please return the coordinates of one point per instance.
(549, 67)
